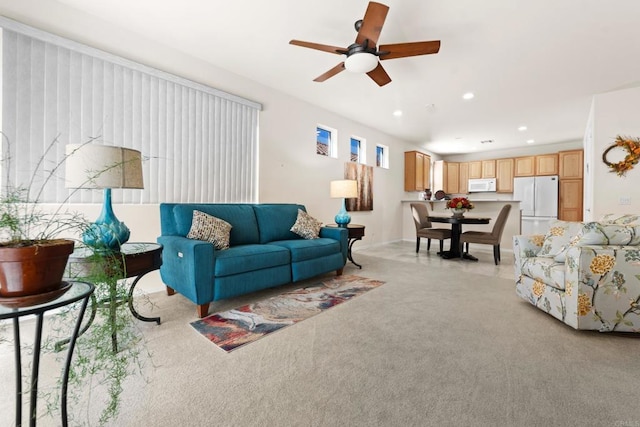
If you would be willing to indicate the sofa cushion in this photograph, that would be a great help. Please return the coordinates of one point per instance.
(558, 239)
(275, 221)
(545, 269)
(306, 226)
(241, 217)
(302, 250)
(244, 258)
(210, 229)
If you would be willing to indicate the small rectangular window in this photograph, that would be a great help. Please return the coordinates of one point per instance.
(326, 141)
(382, 156)
(357, 150)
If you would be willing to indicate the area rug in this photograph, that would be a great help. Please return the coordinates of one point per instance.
(243, 325)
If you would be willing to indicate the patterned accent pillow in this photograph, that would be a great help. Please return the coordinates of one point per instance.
(558, 238)
(306, 226)
(210, 229)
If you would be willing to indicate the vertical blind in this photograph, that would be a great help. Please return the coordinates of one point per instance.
(199, 144)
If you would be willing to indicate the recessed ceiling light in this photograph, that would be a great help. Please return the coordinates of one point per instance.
(468, 95)
(530, 141)
(522, 128)
(397, 113)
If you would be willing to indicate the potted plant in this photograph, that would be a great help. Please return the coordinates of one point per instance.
(32, 256)
(31, 247)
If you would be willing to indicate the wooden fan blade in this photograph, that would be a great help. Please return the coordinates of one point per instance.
(402, 50)
(379, 75)
(332, 72)
(372, 23)
(324, 47)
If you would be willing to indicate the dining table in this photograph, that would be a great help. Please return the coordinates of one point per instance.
(456, 229)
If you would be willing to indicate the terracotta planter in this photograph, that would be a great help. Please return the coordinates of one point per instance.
(34, 269)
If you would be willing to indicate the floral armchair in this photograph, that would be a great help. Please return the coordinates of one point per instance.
(584, 274)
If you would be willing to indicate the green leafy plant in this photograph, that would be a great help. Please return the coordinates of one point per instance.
(111, 347)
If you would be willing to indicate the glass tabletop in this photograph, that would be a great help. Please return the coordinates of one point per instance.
(69, 292)
(126, 249)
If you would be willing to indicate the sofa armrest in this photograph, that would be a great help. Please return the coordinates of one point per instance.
(339, 234)
(525, 246)
(188, 267)
(602, 286)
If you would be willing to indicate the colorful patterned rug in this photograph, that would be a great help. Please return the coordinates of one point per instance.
(243, 325)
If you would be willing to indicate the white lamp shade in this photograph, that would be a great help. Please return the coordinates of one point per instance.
(102, 166)
(344, 188)
(361, 62)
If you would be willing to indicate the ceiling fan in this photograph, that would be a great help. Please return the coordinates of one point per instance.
(363, 56)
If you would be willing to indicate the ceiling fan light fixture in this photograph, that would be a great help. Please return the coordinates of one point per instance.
(361, 62)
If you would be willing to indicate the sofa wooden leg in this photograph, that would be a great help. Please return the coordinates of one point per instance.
(203, 310)
(428, 244)
(417, 244)
(170, 291)
(339, 271)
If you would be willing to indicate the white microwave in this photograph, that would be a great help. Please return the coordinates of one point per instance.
(482, 185)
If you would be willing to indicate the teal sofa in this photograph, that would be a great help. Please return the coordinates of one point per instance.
(263, 252)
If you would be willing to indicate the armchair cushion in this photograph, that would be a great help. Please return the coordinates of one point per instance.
(558, 239)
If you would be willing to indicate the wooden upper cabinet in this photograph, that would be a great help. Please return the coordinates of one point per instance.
(475, 169)
(524, 166)
(504, 175)
(417, 171)
(451, 178)
(463, 183)
(571, 164)
(488, 169)
(547, 164)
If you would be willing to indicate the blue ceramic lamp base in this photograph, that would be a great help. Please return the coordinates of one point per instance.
(343, 218)
(107, 233)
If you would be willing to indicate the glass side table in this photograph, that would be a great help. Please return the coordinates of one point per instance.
(15, 308)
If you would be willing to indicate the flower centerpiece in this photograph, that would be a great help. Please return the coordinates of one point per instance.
(459, 205)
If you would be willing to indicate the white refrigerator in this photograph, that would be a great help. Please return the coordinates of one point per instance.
(538, 196)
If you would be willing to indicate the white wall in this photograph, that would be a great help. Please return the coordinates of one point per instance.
(614, 113)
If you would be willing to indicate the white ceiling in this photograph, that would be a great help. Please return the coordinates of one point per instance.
(529, 62)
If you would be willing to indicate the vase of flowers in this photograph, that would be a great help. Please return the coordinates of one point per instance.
(459, 205)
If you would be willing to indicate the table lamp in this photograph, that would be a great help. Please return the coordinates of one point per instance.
(344, 189)
(104, 167)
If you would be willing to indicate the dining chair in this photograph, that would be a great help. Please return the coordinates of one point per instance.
(424, 229)
(488, 237)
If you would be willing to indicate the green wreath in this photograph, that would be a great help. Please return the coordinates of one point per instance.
(631, 146)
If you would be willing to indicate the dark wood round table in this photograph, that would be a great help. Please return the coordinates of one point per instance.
(456, 230)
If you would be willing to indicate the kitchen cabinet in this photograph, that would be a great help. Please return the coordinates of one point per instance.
(417, 171)
(524, 166)
(570, 206)
(488, 169)
(547, 164)
(463, 183)
(571, 164)
(451, 177)
(475, 169)
(504, 175)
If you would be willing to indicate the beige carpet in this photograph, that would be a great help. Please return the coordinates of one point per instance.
(442, 343)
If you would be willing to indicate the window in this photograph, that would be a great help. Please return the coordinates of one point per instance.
(326, 139)
(201, 143)
(358, 150)
(382, 156)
